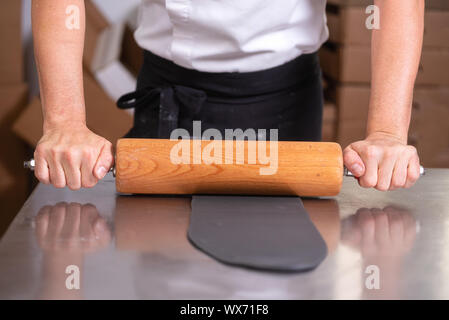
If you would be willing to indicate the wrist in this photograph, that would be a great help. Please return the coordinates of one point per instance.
(50, 125)
(382, 134)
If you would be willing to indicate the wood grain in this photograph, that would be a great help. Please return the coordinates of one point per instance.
(304, 169)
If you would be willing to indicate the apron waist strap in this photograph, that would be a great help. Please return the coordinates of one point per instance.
(171, 99)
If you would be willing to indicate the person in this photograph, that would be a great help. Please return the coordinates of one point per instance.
(229, 64)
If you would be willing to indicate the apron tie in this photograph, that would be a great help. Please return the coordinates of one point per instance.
(162, 117)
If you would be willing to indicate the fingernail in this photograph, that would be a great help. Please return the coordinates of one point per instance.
(101, 172)
(356, 169)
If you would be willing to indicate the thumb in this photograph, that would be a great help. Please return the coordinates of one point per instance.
(353, 162)
(104, 162)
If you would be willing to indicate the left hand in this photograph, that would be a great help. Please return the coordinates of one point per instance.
(382, 161)
(71, 228)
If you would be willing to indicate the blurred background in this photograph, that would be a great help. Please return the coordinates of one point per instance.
(112, 60)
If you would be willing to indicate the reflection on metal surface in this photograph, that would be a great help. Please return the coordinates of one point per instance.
(66, 232)
(383, 237)
(325, 215)
(152, 224)
(169, 266)
(151, 257)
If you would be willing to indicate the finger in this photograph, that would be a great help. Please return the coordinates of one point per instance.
(409, 224)
(88, 215)
(56, 223)
(367, 225)
(104, 162)
(102, 232)
(385, 172)
(370, 157)
(350, 233)
(382, 233)
(396, 227)
(57, 175)
(71, 164)
(412, 171)
(72, 221)
(88, 179)
(353, 162)
(41, 170)
(42, 219)
(399, 173)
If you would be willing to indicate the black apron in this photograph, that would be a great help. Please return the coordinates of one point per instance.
(288, 98)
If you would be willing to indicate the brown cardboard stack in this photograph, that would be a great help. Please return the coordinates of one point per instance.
(11, 65)
(329, 122)
(132, 54)
(13, 93)
(102, 40)
(106, 40)
(345, 62)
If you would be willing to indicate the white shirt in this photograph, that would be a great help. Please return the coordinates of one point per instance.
(231, 35)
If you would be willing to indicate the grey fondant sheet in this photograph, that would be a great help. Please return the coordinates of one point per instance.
(270, 233)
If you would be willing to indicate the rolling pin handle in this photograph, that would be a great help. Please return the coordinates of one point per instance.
(30, 164)
(347, 173)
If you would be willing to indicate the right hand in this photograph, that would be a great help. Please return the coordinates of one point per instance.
(72, 155)
(377, 233)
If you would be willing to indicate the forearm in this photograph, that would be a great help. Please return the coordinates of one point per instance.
(58, 52)
(396, 51)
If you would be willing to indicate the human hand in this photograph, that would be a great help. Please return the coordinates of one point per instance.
(382, 161)
(71, 228)
(72, 155)
(388, 232)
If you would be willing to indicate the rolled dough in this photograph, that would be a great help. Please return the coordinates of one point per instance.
(270, 233)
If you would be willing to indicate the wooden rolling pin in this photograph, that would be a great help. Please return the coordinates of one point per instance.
(303, 168)
(145, 166)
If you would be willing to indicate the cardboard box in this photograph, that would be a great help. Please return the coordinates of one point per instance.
(432, 129)
(132, 54)
(436, 29)
(347, 26)
(11, 55)
(441, 159)
(352, 64)
(29, 125)
(433, 134)
(350, 131)
(116, 80)
(329, 122)
(103, 117)
(103, 38)
(14, 179)
(352, 101)
(105, 25)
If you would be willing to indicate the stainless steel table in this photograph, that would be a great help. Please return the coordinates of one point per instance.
(136, 247)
